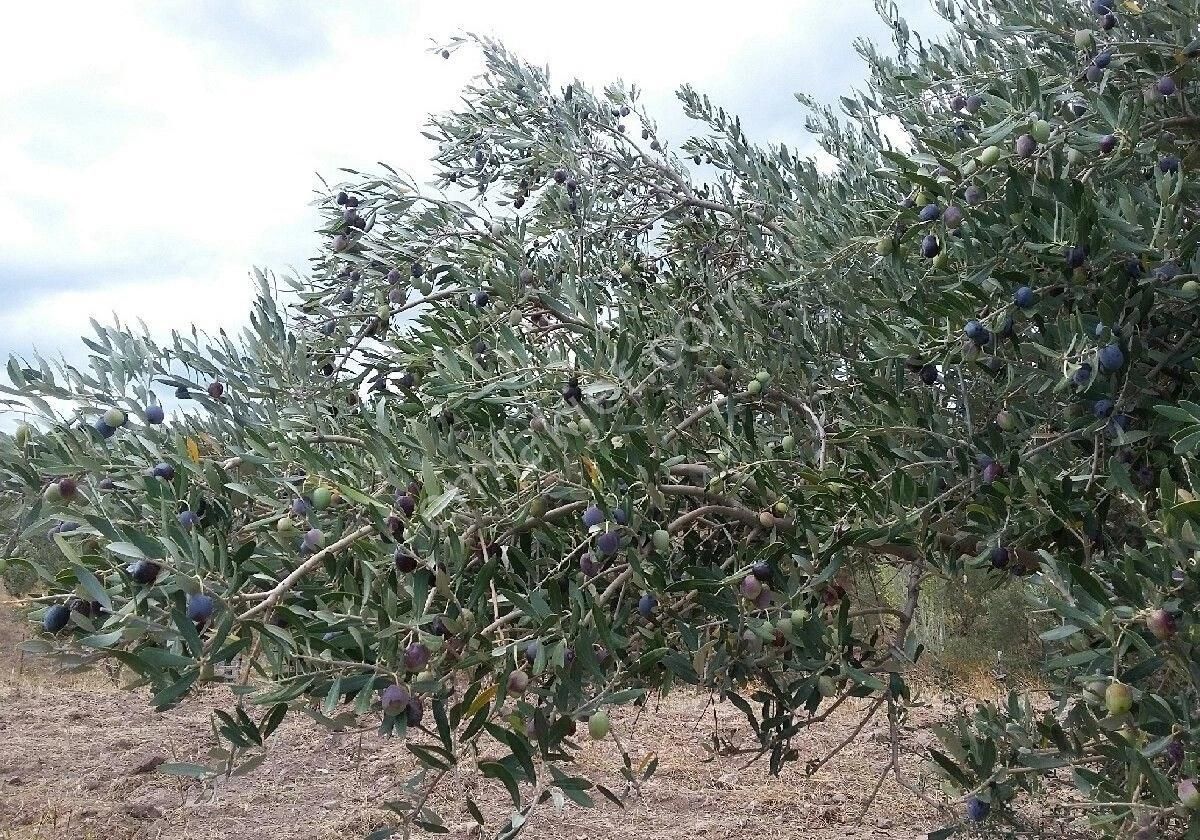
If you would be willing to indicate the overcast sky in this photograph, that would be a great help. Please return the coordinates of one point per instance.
(152, 152)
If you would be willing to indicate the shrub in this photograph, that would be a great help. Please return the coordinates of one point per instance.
(630, 309)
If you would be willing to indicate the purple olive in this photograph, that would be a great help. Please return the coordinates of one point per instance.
(415, 710)
(646, 606)
(992, 472)
(1082, 375)
(404, 560)
(976, 332)
(406, 503)
(1174, 753)
(416, 656)
(589, 565)
(199, 608)
(56, 618)
(531, 651)
(1162, 624)
(395, 527)
(314, 538)
(394, 699)
(608, 542)
(102, 429)
(999, 557)
(143, 571)
(1111, 358)
(750, 587)
(592, 517)
(518, 682)
(977, 809)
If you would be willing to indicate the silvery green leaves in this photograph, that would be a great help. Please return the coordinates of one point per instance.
(390, 488)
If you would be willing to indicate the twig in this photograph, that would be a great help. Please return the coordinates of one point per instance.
(369, 324)
(1175, 348)
(416, 809)
(616, 584)
(11, 542)
(304, 568)
(893, 762)
(803, 407)
(318, 437)
(548, 516)
(701, 413)
(813, 767)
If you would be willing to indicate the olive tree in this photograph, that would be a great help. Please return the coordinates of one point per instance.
(595, 416)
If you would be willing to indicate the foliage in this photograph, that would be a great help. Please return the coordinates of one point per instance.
(719, 342)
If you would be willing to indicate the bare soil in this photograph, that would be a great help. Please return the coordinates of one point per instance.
(79, 756)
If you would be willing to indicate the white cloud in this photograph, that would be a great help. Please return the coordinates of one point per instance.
(164, 149)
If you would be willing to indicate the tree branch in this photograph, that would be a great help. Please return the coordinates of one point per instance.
(318, 437)
(813, 767)
(744, 515)
(304, 568)
(959, 544)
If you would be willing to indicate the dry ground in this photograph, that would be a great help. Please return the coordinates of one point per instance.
(78, 755)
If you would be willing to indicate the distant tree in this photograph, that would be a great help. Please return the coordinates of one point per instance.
(634, 419)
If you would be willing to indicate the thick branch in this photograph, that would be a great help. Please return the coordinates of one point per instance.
(693, 492)
(743, 515)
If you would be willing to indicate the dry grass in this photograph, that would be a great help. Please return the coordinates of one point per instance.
(73, 745)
